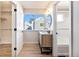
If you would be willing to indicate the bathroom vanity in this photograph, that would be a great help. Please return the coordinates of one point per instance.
(45, 42)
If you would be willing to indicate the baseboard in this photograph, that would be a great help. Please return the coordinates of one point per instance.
(63, 55)
(63, 50)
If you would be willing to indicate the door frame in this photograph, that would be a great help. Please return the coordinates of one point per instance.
(13, 29)
(54, 49)
(71, 28)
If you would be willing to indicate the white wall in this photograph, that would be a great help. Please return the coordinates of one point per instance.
(19, 20)
(30, 36)
(50, 11)
(76, 29)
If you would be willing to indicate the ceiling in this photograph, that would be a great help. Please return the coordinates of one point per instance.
(35, 4)
(63, 5)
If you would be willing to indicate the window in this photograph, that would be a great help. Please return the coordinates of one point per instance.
(60, 18)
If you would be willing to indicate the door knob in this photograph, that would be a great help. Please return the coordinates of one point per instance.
(56, 32)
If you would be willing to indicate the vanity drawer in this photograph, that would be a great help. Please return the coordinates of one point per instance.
(46, 40)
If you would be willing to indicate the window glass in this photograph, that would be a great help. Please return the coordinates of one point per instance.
(60, 18)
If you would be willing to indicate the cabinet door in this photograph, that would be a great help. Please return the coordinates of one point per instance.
(47, 40)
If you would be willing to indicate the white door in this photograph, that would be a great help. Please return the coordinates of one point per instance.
(17, 27)
(62, 29)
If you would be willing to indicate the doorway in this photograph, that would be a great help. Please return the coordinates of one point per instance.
(37, 31)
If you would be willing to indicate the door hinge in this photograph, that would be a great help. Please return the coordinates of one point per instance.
(15, 49)
(15, 10)
(15, 29)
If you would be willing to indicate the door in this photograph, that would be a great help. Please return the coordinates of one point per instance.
(62, 29)
(17, 28)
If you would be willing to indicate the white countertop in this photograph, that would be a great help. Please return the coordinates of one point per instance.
(43, 33)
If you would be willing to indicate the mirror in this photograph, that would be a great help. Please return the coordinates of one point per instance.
(37, 21)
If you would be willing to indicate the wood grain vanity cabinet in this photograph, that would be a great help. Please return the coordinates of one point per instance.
(46, 42)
